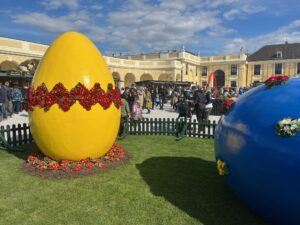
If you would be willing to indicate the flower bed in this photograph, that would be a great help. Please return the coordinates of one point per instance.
(276, 80)
(40, 165)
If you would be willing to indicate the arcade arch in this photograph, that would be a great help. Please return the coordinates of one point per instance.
(7, 65)
(129, 79)
(146, 76)
(164, 77)
(220, 76)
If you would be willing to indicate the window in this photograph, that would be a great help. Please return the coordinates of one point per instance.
(233, 69)
(233, 83)
(187, 69)
(298, 68)
(256, 69)
(204, 70)
(279, 54)
(278, 68)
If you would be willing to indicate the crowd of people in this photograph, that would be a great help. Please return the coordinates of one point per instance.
(185, 100)
(12, 100)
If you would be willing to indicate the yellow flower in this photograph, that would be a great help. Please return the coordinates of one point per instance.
(222, 168)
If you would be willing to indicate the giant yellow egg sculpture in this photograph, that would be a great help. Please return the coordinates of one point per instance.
(82, 119)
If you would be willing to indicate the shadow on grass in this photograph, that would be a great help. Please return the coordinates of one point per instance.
(23, 151)
(193, 185)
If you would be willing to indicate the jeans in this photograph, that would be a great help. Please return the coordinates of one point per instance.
(16, 106)
(3, 110)
(124, 128)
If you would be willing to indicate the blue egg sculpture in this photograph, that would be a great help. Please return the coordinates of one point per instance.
(263, 167)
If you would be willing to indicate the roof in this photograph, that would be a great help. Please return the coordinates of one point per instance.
(269, 52)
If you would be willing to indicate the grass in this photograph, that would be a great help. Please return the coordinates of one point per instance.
(165, 182)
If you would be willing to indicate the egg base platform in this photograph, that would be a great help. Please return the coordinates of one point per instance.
(39, 165)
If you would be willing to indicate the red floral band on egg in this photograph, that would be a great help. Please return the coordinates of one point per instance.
(65, 99)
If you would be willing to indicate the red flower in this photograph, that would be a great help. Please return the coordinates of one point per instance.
(31, 158)
(227, 104)
(89, 165)
(42, 162)
(63, 167)
(276, 80)
(53, 166)
(77, 167)
(65, 99)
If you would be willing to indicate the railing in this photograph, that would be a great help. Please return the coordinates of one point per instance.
(172, 127)
(16, 135)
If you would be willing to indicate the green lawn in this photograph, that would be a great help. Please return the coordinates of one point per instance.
(165, 182)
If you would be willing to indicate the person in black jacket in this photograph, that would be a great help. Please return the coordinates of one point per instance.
(4, 91)
(199, 101)
(163, 96)
(208, 105)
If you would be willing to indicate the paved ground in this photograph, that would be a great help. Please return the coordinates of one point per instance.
(168, 112)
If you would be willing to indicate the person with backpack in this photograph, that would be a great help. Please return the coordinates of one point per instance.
(184, 108)
(184, 112)
(199, 101)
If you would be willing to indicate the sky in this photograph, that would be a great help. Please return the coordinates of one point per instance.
(205, 27)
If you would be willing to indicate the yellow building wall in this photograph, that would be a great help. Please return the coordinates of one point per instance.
(289, 67)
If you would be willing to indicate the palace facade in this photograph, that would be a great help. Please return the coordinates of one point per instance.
(230, 70)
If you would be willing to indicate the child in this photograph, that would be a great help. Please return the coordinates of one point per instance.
(137, 111)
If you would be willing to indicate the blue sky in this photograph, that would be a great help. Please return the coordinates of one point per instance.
(206, 27)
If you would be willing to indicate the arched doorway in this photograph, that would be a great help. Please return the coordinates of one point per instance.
(146, 76)
(117, 79)
(9, 66)
(164, 77)
(220, 75)
(129, 79)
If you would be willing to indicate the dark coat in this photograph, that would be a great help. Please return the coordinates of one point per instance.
(3, 94)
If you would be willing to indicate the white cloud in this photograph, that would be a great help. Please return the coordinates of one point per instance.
(218, 31)
(74, 21)
(162, 26)
(97, 7)
(243, 11)
(142, 25)
(290, 33)
(55, 4)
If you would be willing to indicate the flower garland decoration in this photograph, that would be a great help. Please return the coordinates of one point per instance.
(222, 168)
(65, 99)
(227, 105)
(288, 127)
(276, 80)
(38, 164)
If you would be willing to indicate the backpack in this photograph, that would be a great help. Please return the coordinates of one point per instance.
(184, 109)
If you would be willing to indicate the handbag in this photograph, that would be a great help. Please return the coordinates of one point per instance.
(209, 106)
